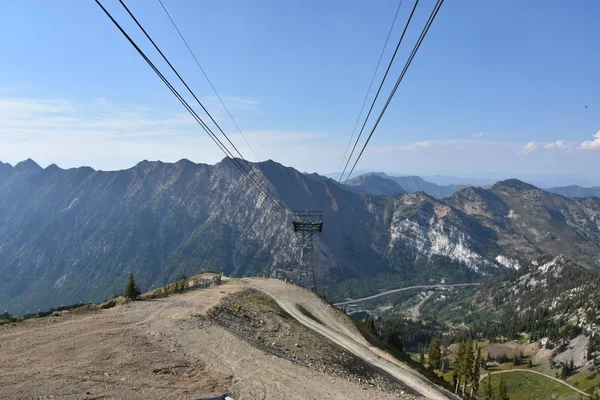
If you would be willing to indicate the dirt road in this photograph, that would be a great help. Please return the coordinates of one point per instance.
(332, 325)
(416, 310)
(344, 303)
(158, 350)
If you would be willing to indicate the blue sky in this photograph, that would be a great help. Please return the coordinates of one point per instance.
(498, 88)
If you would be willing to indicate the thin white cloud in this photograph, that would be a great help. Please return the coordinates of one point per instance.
(528, 148)
(110, 135)
(408, 147)
(592, 144)
(559, 144)
(438, 144)
(479, 134)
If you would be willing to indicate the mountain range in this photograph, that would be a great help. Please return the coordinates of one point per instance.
(71, 235)
(381, 183)
(576, 191)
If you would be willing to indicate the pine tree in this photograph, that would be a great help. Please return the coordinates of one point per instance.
(564, 372)
(475, 374)
(489, 391)
(467, 369)
(459, 365)
(434, 353)
(422, 358)
(571, 365)
(502, 393)
(131, 291)
(516, 361)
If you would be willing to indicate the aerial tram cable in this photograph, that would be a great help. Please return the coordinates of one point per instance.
(379, 90)
(370, 85)
(208, 79)
(256, 178)
(217, 141)
(406, 66)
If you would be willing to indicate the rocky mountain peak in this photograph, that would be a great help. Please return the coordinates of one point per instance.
(28, 165)
(53, 168)
(513, 185)
(478, 201)
(375, 184)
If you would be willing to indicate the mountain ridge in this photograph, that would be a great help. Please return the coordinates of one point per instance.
(408, 184)
(70, 235)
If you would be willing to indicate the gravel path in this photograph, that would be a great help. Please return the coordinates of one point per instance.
(159, 349)
(340, 331)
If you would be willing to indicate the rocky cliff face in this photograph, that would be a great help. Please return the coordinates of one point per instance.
(74, 235)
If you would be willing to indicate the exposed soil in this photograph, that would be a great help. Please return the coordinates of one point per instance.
(263, 324)
(171, 349)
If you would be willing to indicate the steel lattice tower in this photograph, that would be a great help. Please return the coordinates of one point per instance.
(307, 223)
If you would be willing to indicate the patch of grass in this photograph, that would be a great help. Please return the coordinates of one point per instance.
(12, 319)
(527, 386)
(586, 380)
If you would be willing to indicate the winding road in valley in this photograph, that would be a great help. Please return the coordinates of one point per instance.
(345, 303)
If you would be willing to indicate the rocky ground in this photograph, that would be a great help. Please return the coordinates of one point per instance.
(257, 319)
(181, 347)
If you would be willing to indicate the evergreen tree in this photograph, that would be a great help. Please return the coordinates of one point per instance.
(502, 393)
(469, 359)
(571, 366)
(422, 358)
(517, 361)
(564, 371)
(434, 353)
(475, 374)
(489, 391)
(131, 291)
(459, 365)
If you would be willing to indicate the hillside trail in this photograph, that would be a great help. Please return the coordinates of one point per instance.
(338, 328)
(159, 349)
(537, 373)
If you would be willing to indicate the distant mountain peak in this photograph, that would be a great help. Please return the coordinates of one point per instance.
(375, 184)
(53, 167)
(576, 191)
(514, 184)
(28, 166)
(408, 184)
(185, 161)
